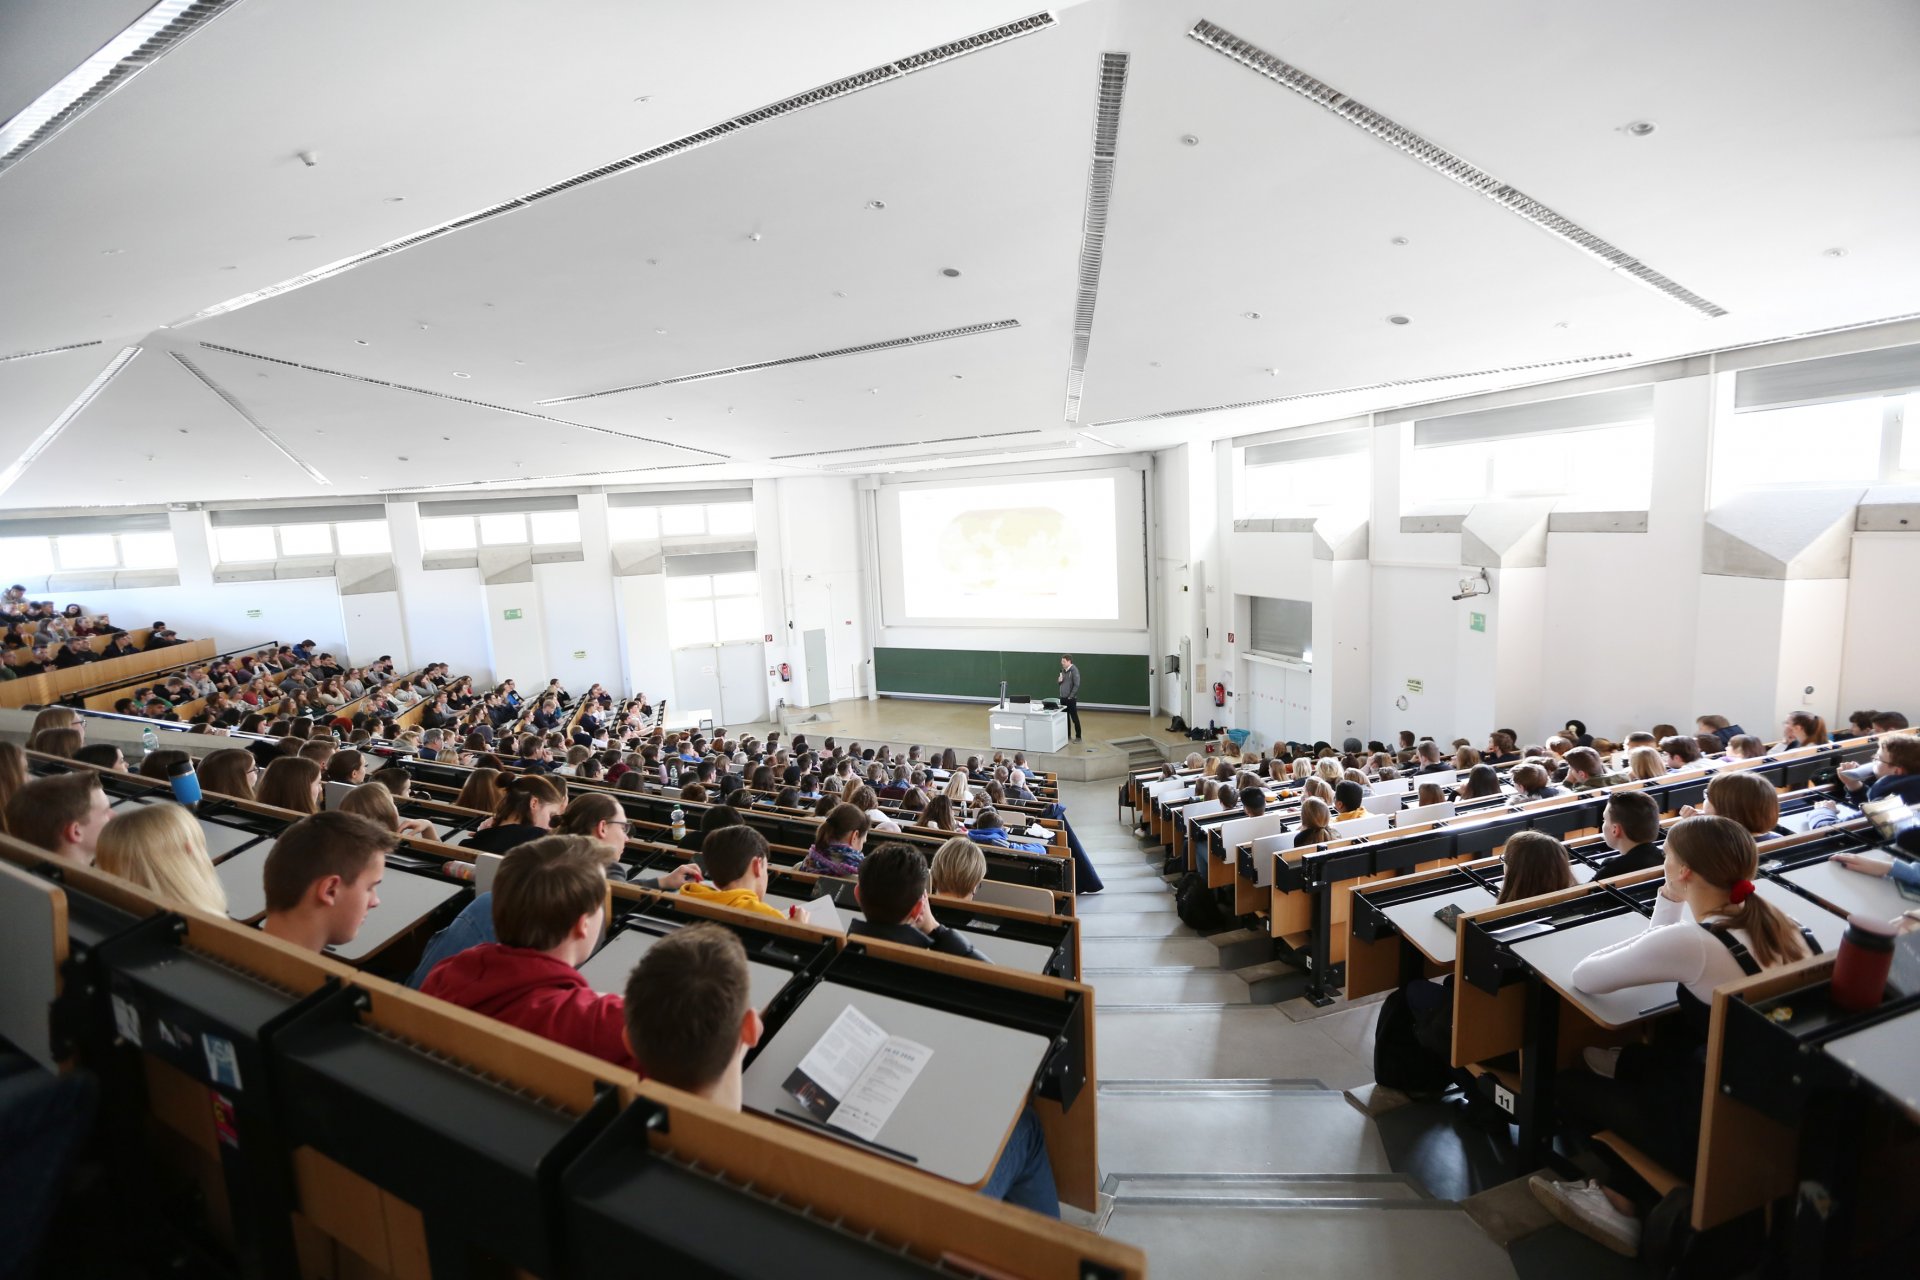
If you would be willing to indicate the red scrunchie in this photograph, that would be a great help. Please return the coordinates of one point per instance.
(1741, 891)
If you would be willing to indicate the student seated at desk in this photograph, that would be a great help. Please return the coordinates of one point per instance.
(528, 805)
(892, 892)
(958, 868)
(1349, 802)
(63, 814)
(1316, 823)
(1413, 1034)
(1629, 826)
(1708, 928)
(838, 843)
(160, 847)
(549, 903)
(689, 1018)
(1747, 798)
(989, 829)
(1585, 771)
(1744, 746)
(375, 803)
(322, 877)
(292, 782)
(736, 858)
(1894, 774)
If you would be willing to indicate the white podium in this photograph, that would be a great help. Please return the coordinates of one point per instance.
(1026, 727)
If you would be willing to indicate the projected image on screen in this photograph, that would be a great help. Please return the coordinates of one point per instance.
(1033, 551)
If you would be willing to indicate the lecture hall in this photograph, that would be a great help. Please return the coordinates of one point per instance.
(962, 639)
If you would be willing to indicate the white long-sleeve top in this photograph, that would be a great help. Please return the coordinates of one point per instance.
(1674, 948)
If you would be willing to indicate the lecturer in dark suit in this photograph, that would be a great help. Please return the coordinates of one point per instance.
(1069, 681)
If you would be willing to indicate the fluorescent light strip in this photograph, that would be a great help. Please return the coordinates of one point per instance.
(67, 415)
(441, 395)
(49, 351)
(912, 444)
(1445, 163)
(520, 480)
(153, 33)
(1093, 221)
(1377, 386)
(313, 472)
(679, 146)
(889, 344)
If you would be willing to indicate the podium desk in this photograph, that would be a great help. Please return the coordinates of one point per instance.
(955, 1117)
(1026, 727)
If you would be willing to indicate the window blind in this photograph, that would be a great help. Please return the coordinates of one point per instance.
(1542, 417)
(1849, 377)
(1283, 628)
(709, 562)
(498, 506)
(679, 497)
(56, 526)
(340, 513)
(1334, 446)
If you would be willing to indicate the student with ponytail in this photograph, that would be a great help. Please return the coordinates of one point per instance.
(1708, 928)
(529, 802)
(1803, 729)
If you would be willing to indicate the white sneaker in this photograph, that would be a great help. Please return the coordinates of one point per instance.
(1585, 1207)
(1602, 1062)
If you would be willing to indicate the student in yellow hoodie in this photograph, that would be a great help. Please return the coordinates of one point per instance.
(736, 858)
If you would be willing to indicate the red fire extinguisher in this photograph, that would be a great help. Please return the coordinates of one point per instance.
(1219, 694)
(786, 672)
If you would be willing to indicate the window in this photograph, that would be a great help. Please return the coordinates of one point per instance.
(503, 530)
(551, 527)
(680, 522)
(633, 524)
(1305, 487)
(447, 533)
(706, 609)
(35, 556)
(237, 542)
(1607, 466)
(1838, 442)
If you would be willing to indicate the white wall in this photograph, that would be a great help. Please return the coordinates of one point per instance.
(1877, 667)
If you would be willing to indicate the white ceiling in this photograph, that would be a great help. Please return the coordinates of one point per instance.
(1782, 133)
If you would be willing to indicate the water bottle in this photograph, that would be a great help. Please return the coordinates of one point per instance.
(679, 820)
(1860, 969)
(185, 783)
(149, 743)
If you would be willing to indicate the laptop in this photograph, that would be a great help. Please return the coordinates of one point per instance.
(485, 867)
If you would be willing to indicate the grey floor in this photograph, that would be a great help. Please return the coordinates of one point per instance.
(1228, 1144)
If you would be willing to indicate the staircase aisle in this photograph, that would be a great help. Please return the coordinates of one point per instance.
(1228, 1145)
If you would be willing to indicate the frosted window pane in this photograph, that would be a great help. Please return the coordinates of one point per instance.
(446, 533)
(730, 518)
(25, 557)
(551, 527)
(737, 619)
(243, 543)
(503, 530)
(363, 537)
(1811, 444)
(633, 524)
(147, 551)
(679, 522)
(306, 539)
(689, 622)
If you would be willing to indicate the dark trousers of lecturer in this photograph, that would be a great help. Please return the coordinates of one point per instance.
(1072, 706)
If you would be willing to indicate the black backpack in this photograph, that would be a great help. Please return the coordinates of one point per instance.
(1197, 907)
(1402, 1056)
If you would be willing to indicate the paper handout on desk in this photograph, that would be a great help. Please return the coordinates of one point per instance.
(854, 1078)
(822, 913)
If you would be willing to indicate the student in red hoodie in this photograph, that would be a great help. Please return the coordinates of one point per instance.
(549, 903)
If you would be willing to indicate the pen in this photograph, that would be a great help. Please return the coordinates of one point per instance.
(1658, 1007)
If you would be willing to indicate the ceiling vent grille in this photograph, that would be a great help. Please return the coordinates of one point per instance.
(666, 151)
(515, 481)
(945, 457)
(1093, 222)
(914, 444)
(155, 32)
(441, 395)
(918, 339)
(49, 351)
(67, 415)
(313, 472)
(1445, 163)
(1377, 386)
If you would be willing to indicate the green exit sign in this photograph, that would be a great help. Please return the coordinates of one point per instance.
(512, 615)
(1477, 621)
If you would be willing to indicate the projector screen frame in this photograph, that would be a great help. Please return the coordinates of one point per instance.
(1129, 542)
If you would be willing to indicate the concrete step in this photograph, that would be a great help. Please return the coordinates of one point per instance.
(1240, 948)
(1120, 987)
(1133, 953)
(1431, 1239)
(1115, 900)
(1193, 1127)
(1229, 1041)
(1129, 922)
(1257, 1190)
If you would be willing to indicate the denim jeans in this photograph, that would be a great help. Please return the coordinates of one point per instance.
(1024, 1176)
(1085, 878)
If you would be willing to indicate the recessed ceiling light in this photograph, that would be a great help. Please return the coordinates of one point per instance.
(873, 391)
(1249, 315)
(653, 262)
(404, 458)
(229, 268)
(1399, 320)
(839, 293)
(754, 236)
(1641, 128)
(959, 377)
(361, 342)
(446, 437)
(659, 330)
(645, 97)
(1400, 242)
(306, 236)
(1189, 139)
(183, 431)
(1836, 252)
(1272, 372)
(1563, 324)
(1153, 364)
(669, 418)
(395, 200)
(110, 253)
(876, 205)
(462, 375)
(950, 272)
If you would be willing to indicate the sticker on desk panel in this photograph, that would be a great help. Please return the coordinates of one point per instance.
(126, 1020)
(225, 1127)
(223, 1065)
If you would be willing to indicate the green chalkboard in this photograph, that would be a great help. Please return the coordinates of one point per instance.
(1115, 679)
